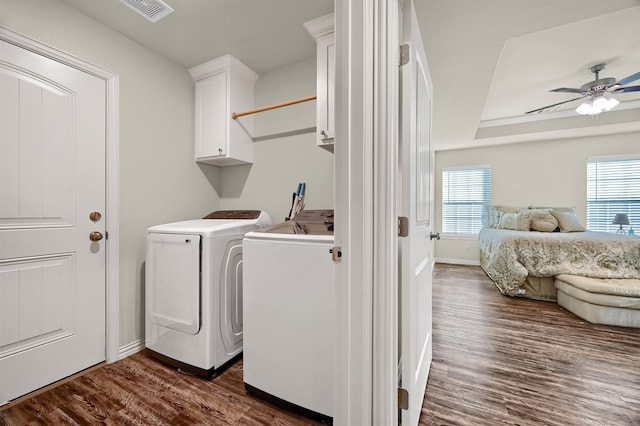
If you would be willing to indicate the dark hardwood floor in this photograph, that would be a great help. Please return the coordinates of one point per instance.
(139, 390)
(499, 360)
(496, 361)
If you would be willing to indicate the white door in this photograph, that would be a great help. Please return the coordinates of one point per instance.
(416, 250)
(52, 176)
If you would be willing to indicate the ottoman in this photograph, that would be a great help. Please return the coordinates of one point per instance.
(611, 301)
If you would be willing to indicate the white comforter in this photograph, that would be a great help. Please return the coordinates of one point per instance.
(508, 257)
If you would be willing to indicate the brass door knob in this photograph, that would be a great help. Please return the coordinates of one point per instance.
(95, 236)
(95, 216)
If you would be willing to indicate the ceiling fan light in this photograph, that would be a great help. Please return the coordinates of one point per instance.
(585, 108)
(596, 105)
(599, 104)
(611, 102)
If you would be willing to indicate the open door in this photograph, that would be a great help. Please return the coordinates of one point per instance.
(416, 248)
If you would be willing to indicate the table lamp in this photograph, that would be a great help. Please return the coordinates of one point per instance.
(620, 219)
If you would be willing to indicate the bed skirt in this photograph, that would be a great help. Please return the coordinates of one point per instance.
(537, 288)
(540, 288)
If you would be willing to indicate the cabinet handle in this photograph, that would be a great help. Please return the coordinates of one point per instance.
(220, 151)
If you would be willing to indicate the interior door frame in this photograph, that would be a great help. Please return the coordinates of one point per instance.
(111, 215)
(366, 335)
(386, 210)
(353, 231)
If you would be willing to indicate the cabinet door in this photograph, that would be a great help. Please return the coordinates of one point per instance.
(211, 117)
(325, 91)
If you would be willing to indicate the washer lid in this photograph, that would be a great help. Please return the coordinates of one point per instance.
(291, 238)
(212, 227)
(299, 228)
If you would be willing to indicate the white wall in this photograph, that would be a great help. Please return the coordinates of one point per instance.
(285, 152)
(542, 173)
(159, 181)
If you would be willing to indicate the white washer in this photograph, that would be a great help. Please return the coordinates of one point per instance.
(289, 315)
(193, 292)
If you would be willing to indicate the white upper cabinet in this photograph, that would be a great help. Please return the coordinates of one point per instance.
(223, 86)
(321, 29)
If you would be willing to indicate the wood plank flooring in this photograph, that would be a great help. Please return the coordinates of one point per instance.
(499, 360)
(139, 390)
(496, 361)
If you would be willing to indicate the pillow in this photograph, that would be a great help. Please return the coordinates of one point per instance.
(568, 221)
(491, 217)
(541, 220)
(493, 213)
(514, 221)
(558, 209)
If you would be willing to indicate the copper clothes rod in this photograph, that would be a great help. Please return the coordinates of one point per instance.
(235, 115)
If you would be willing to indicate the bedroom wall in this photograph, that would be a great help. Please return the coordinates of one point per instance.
(159, 181)
(543, 173)
(284, 152)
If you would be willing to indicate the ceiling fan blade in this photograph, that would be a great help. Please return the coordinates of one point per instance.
(627, 89)
(539, 110)
(632, 77)
(566, 89)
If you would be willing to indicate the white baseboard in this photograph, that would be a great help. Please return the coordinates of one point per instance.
(131, 348)
(459, 262)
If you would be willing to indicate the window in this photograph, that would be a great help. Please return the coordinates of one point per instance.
(465, 192)
(613, 186)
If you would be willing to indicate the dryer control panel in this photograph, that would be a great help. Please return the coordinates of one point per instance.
(234, 214)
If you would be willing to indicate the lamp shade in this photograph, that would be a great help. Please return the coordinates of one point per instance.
(585, 107)
(620, 219)
(597, 104)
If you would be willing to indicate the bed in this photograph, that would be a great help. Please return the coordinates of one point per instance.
(522, 260)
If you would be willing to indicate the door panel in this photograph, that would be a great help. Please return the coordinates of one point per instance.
(173, 281)
(416, 250)
(32, 291)
(52, 176)
(34, 169)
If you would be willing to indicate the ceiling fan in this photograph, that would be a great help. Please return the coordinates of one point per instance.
(598, 92)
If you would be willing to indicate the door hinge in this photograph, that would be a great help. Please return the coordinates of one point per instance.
(404, 54)
(336, 254)
(403, 226)
(403, 399)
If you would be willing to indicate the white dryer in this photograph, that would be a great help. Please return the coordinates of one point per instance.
(289, 313)
(193, 291)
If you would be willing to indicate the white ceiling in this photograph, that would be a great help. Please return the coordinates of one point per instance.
(263, 34)
(489, 59)
(493, 59)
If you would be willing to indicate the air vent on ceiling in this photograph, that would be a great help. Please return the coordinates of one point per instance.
(153, 10)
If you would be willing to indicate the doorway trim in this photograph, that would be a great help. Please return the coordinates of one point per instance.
(366, 355)
(386, 206)
(112, 218)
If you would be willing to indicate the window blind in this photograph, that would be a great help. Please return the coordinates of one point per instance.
(465, 192)
(613, 186)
